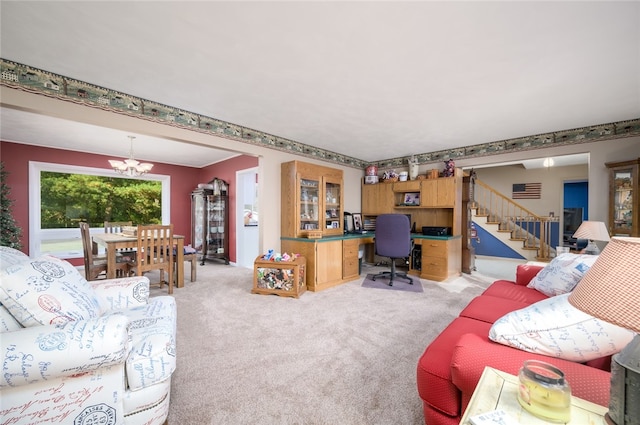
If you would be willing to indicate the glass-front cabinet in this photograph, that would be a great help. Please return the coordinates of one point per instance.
(198, 209)
(210, 220)
(309, 205)
(333, 213)
(312, 200)
(624, 201)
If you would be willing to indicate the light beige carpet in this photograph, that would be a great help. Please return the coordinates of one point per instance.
(346, 355)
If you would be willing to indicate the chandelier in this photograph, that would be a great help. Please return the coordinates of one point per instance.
(130, 167)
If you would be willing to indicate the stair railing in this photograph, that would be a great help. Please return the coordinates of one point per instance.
(524, 225)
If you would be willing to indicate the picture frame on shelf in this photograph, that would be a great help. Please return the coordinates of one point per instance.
(357, 222)
(412, 198)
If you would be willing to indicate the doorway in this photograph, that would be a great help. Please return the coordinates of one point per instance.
(575, 210)
(247, 213)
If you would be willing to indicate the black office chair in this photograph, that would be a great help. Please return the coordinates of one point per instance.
(393, 240)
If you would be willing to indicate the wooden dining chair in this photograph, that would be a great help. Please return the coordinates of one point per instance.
(125, 255)
(115, 226)
(95, 266)
(155, 252)
(191, 257)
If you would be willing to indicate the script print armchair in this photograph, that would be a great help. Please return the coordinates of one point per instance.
(78, 352)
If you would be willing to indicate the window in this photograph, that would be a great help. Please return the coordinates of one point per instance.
(54, 226)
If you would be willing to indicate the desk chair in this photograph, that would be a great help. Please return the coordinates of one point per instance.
(393, 240)
(96, 265)
(155, 252)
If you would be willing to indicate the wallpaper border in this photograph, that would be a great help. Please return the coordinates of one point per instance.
(34, 80)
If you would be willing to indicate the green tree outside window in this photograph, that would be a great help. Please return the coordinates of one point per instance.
(10, 232)
(67, 199)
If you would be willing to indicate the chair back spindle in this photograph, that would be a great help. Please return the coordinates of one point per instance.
(155, 252)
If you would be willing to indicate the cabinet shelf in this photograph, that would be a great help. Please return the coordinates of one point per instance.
(624, 204)
(314, 194)
(210, 222)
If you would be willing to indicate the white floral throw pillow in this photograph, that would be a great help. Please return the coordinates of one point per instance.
(47, 290)
(553, 327)
(562, 274)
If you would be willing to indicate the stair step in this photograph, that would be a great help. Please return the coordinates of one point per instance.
(482, 215)
(531, 248)
(493, 222)
(518, 239)
(504, 231)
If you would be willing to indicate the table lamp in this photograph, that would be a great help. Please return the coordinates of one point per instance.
(593, 231)
(610, 291)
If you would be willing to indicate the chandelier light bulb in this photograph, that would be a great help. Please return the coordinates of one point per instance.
(130, 167)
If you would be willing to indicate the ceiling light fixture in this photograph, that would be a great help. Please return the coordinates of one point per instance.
(548, 162)
(130, 167)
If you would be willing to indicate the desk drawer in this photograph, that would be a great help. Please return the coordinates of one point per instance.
(350, 265)
(433, 248)
(434, 268)
(350, 248)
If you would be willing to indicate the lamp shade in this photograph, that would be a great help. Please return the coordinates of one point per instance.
(610, 290)
(592, 230)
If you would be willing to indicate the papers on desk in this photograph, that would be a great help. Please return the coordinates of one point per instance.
(495, 417)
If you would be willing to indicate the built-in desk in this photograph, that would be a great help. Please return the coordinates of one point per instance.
(334, 260)
(331, 260)
(436, 257)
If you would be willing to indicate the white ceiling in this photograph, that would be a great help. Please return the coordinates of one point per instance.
(372, 80)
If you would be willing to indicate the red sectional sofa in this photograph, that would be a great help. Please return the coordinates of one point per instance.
(450, 368)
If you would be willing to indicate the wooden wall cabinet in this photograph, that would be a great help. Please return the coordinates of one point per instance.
(440, 192)
(624, 198)
(377, 199)
(440, 201)
(440, 205)
(312, 199)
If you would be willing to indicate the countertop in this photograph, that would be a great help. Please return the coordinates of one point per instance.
(364, 236)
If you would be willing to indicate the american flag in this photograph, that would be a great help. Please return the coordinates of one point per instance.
(527, 191)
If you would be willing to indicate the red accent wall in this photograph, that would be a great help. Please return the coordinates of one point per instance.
(16, 157)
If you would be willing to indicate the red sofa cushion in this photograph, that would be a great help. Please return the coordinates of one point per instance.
(509, 290)
(433, 416)
(525, 273)
(434, 366)
(489, 308)
(473, 352)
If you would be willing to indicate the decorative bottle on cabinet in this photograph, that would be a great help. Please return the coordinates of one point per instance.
(210, 220)
(624, 198)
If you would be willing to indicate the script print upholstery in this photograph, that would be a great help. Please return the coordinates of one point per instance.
(72, 371)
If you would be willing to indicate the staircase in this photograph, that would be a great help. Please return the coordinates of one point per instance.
(516, 226)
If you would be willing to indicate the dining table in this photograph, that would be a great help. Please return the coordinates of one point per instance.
(112, 242)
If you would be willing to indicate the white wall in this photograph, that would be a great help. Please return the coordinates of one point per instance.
(552, 179)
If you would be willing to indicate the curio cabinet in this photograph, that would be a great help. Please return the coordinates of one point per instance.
(624, 198)
(210, 220)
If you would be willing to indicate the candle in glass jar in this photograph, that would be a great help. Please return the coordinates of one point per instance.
(544, 391)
